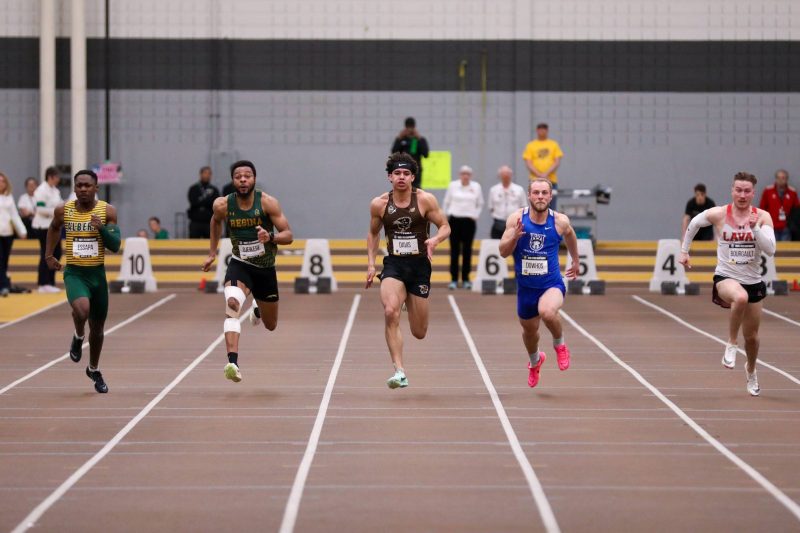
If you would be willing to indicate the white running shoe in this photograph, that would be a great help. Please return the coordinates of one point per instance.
(752, 383)
(729, 357)
(398, 380)
(254, 316)
(51, 289)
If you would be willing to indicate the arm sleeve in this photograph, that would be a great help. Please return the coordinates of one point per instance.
(17, 221)
(700, 221)
(423, 147)
(765, 237)
(111, 237)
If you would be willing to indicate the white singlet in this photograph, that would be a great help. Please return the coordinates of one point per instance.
(738, 254)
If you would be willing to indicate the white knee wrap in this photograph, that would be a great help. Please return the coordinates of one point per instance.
(237, 294)
(232, 325)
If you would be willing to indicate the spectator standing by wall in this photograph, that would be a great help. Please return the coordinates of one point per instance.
(155, 227)
(696, 205)
(410, 142)
(463, 203)
(27, 204)
(201, 201)
(10, 222)
(505, 198)
(47, 197)
(779, 199)
(542, 157)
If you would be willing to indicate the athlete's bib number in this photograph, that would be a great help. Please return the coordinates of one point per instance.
(405, 245)
(85, 248)
(534, 267)
(741, 255)
(250, 249)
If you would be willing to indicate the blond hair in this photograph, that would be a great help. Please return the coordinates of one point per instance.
(541, 180)
(9, 188)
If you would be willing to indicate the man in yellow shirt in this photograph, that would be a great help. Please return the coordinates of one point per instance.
(542, 157)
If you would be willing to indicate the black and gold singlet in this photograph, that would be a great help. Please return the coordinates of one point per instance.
(405, 228)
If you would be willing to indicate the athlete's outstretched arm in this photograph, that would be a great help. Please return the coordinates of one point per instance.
(373, 238)
(272, 207)
(434, 214)
(568, 233)
(220, 208)
(512, 234)
(706, 218)
(53, 236)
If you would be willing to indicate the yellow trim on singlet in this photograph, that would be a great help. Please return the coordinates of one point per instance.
(76, 224)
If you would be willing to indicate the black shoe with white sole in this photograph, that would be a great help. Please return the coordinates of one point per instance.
(99, 384)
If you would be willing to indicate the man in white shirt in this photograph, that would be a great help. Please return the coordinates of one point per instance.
(505, 198)
(26, 205)
(47, 197)
(463, 203)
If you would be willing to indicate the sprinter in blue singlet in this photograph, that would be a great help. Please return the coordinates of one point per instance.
(533, 235)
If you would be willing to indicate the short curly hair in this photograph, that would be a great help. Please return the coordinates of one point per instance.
(745, 176)
(401, 157)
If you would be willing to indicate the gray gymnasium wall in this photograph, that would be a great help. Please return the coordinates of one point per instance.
(712, 92)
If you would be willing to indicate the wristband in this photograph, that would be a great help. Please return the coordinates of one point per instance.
(271, 236)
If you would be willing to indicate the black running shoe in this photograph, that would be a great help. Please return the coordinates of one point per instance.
(99, 385)
(76, 349)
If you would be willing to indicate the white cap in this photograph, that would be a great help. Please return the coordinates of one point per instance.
(465, 168)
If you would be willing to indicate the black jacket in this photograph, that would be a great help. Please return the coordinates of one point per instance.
(201, 202)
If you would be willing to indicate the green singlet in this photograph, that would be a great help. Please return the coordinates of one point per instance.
(244, 236)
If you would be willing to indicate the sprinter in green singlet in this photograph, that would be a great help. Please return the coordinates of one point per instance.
(256, 226)
(405, 215)
(91, 228)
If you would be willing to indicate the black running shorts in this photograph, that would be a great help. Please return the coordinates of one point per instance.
(414, 272)
(755, 292)
(262, 282)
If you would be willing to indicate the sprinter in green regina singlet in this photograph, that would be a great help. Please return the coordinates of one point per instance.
(256, 226)
(91, 228)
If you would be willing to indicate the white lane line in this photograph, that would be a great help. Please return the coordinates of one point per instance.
(124, 323)
(40, 311)
(681, 321)
(777, 315)
(293, 504)
(30, 520)
(546, 512)
(779, 495)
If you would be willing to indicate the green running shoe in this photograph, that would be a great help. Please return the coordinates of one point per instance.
(398, 380)
(232, 373)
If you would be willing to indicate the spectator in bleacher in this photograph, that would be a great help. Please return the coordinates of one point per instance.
(201, 201)
(778, 200)
(27, 205)
(504, 199)
(463, 203)
(10, 222)
(47, 197)
(410, 142)
(155, 227)
(699, 203)
(542, 157)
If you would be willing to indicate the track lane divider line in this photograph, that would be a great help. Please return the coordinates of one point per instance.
(30, 520)
(545, 511)
(766, 484)
(293, 504)
(681, 321)
(124, 323)
(778, 315)
(30, 315)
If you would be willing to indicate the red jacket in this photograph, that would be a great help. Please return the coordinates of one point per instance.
(774, 205)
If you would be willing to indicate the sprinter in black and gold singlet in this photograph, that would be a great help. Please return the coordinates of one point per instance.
(405, 215)
(256, 226)
(91, 229)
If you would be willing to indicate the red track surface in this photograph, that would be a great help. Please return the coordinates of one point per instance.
(217, 456)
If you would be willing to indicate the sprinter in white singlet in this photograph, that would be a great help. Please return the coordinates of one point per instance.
(745, 232)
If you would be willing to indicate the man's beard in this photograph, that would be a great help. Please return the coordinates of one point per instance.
(245, 195)
(541, 210)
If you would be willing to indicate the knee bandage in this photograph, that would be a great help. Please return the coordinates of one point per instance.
(232, 325)
(237, 294)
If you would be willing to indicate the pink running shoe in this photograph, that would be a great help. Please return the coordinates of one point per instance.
(562, 355)
(533, 371)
